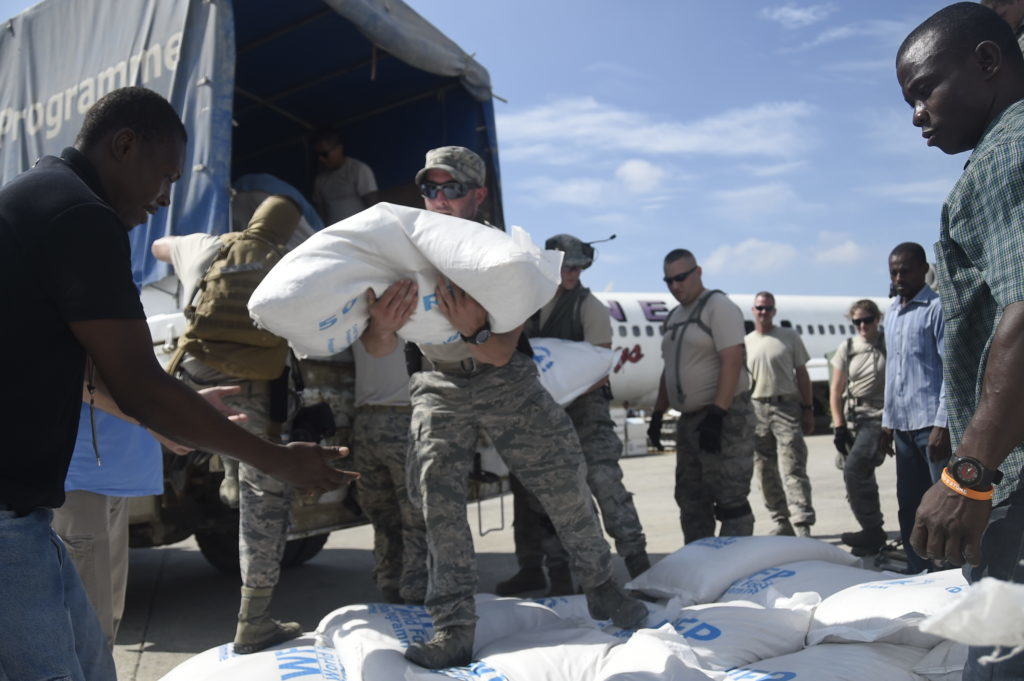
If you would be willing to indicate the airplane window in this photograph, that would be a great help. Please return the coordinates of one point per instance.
(800, 329)
(810, 329)
(622, 330)
(831, 330)
(786, 323)
(636, 330)
(853, 329)
(650, 330)
(821, 329)
(748, 326)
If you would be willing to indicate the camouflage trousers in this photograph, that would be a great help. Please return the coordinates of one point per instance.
(713, 486)
(779, 441)
(333, 383)
(535, 438)
(859, 471)
(264, 502)
(602, 450)
(380, 441)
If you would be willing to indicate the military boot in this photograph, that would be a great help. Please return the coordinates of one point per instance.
(256, 630)
(783, 528)
(737, 527)
(449, 647)
(637, 563)
(527, 579)
(560, 580)
(608, 601)
(871, 540)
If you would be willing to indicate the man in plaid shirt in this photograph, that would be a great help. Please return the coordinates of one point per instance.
(963, 74)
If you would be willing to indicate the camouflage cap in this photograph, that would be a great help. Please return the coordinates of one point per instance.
(463, 165)
(577, 253)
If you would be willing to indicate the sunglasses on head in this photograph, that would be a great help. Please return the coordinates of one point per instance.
(863, 320)
(764, 308)
(451, 190)
(680, 278)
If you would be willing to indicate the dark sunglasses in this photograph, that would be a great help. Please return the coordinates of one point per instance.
(680, 278)
(451, 190)
(764, 308)
(325, 153)
(863, 320)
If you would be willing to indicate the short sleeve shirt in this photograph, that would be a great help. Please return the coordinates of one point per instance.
(191, 256)
(67, 254)
(773, 359)
(691, 356)
(597, 324)
(381, 380)
(338, 193)
(980, 257)
(864, 364)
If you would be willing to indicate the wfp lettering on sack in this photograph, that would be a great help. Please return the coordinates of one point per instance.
(567, 369)
(308, 661)
(316, 296)
(767, 587)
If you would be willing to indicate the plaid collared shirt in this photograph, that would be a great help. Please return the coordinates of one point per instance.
(981, 269)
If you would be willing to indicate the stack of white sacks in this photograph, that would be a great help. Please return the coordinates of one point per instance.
(728, 609)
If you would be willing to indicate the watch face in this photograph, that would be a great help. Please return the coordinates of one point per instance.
(482, 336)
(967, 473)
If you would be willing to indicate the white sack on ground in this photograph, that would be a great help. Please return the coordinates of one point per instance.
(889, 610)
(304, 658)
(944, 662)
(770, 585)
(315, 297)
(562, 654)
(654, 655)
(837, 662)
(568, 368)
(990, 616)
(700, 572)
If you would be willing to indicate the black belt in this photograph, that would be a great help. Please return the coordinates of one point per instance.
(776, 399)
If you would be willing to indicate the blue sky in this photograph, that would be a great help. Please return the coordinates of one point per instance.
(768, 137)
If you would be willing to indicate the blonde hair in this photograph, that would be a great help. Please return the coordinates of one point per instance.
(868, 306)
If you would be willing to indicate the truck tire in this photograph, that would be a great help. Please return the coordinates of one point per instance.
(220, 549)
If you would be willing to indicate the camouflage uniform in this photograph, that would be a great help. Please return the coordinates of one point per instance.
(710, 486)
(779, 437)
(331, 382)
(380, 441)
(535, 438)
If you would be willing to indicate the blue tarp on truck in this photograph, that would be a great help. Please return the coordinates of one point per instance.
(251, 80)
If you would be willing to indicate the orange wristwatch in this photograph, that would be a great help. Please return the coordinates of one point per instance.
(949, 482)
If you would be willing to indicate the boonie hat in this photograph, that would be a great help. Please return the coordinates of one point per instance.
(463, 165)
(577, 253)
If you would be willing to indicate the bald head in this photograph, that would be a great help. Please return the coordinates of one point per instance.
(958, 29)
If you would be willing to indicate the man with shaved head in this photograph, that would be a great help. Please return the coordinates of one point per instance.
(962, 73)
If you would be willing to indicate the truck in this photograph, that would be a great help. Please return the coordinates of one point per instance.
(251, 80)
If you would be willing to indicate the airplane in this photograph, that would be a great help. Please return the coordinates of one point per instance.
(636, 320)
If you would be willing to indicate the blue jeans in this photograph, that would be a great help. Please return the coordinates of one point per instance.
(1002, 557)
(915, 473)
(48, 630)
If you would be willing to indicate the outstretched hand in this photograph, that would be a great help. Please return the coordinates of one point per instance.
(311, 467)
(215, 396)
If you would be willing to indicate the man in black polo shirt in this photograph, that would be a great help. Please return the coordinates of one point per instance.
(71, 313)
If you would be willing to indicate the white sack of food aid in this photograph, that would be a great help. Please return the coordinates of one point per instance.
(654, 655)
(547, 655)
(568, 368)
(315, 297)
(889, 610)
(944, 662)
(991, 616)
(836, 662)
(308, 658)
(770, 585)
(700, 572)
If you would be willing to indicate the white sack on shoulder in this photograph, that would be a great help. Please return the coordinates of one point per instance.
(990, 616)
(836, 662)
(700, 572)
(766, 587)
(315, 297)
(568, 368)
(306, 657)
(889, 610)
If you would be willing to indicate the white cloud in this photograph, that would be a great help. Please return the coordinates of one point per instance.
(751, 255)
(927, 192)
(845, 253)
(758, 201)
(639, 176)
(775, 169)
(582, 124)
(791, 16)
(883, 29)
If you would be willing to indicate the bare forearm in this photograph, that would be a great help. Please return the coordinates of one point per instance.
(803, 384)
(998, 423)
(835, 398)
(731, 363)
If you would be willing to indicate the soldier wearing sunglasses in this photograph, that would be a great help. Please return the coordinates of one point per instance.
(345, 185)
(705, 380)
(487, 381)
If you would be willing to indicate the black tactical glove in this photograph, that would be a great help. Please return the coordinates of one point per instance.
(710, 430)
(654, 430)
(843, 440)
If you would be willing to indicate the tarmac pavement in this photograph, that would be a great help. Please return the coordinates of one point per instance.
(178, 605)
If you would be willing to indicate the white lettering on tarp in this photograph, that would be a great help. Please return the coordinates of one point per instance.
(51, 111)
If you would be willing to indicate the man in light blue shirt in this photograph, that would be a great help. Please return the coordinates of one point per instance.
(914, 415)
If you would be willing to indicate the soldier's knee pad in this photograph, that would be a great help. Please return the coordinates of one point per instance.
(733, 512)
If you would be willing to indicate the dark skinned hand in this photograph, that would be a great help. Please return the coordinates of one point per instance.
(949, 526)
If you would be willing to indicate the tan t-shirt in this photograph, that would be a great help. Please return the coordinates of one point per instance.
(597, 324)
(691, 358)
(381, 380)
(866, 370)
(339, 193)
(191, 256)
(773, 359)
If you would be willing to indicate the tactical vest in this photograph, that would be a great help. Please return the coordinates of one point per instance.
(566, 318)
(220, 332)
